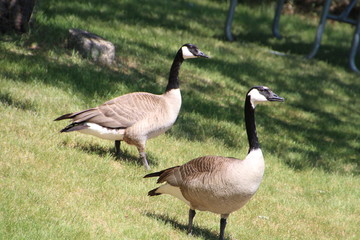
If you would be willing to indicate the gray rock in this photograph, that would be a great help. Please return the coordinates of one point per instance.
(92, 46)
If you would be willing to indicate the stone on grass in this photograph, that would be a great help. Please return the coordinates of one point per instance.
(92, 46)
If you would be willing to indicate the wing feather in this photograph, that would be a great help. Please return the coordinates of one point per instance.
(195, 169)
(120, 112)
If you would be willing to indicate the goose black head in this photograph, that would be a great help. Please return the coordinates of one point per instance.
(191, 51)
(262, 94)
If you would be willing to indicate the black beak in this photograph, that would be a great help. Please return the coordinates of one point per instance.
(201, 54)
(275, 98)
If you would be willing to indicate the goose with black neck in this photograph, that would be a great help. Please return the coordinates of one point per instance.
(219, 184)
(138, 116)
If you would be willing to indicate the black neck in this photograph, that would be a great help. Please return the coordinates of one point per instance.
(250, 125)
(174, 72)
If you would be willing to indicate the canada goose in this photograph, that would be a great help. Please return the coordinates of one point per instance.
(218, 184)
(135, 117)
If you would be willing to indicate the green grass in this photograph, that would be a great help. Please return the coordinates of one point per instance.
(70, 186)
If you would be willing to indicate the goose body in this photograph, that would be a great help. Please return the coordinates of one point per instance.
(135, 117)
(201, 182)
(219, 184)
(140, 124)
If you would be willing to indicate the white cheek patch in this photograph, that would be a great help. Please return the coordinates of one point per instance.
(186, 53)
(256, 97)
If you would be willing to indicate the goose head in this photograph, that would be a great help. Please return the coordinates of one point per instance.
(260, 94)
(191, 51)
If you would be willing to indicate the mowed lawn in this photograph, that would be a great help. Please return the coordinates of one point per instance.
(70, 186)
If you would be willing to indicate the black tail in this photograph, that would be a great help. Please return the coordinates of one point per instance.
(153, 192)
(74, 127)
(158, 174)
(155, 174)
(72, 115)
(65, 116)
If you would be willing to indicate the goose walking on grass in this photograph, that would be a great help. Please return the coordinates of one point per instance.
(218, 184)
(138, 116)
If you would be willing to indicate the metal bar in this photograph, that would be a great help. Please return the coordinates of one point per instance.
(229, 20)
(275, 26)
(339, 19)
(355, 47)
(348, 9)
(320, 29)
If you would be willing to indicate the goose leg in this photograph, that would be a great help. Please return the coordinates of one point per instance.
(117, 148)
(141, 148)
(191, 217)
(144, 160)
(223, 225)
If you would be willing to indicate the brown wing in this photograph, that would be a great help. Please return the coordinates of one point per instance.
(193, 170)
(120, 112)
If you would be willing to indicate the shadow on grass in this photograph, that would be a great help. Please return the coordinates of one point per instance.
(101, 151)
(171, 15)
(197, 231)
(335, 50)
(330, 53)
(7, 99)
(70, 77)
